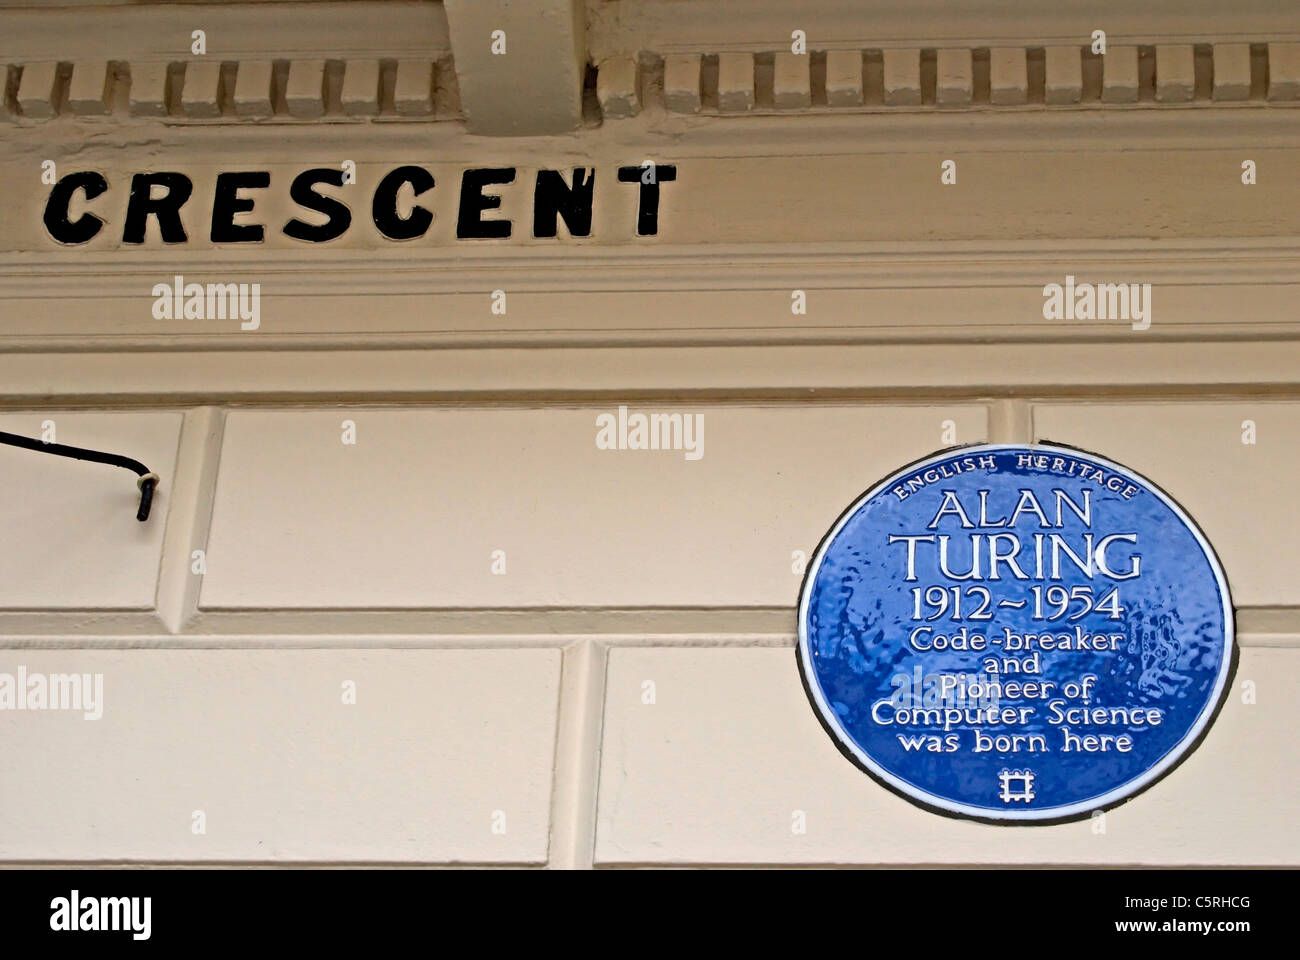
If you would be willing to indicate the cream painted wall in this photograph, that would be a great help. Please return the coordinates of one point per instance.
(497, 716)
(517, 695)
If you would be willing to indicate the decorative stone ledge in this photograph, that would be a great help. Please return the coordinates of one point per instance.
(315, 89)
(895, 78)
(210, 89)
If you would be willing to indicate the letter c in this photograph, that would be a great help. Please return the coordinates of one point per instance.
(384, 206)
(56, 208)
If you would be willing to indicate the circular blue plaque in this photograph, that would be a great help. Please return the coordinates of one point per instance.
(1016, 633)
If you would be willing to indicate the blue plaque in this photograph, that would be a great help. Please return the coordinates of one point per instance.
(1016, 633)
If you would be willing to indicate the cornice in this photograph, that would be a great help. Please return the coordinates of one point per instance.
(919, 78)
(328, 62)
(715, 26)
(1207, 291)
(154, 32)
(1260, 371)
(332, 85)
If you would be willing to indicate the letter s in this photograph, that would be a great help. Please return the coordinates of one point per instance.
(338, 216)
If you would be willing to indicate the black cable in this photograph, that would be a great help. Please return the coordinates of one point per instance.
(147, 482)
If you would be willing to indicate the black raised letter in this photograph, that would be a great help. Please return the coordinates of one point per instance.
(56, 207)
(647, 215)
(226, 202)
(339, 217)
(166, 208)
(469, 224)
(553, 198)
(384, 206)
